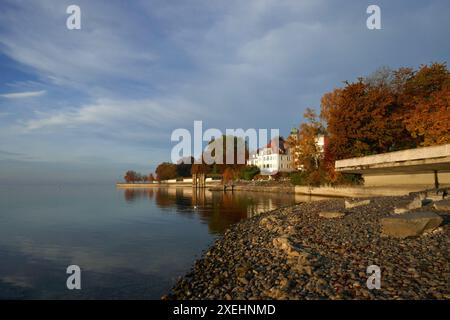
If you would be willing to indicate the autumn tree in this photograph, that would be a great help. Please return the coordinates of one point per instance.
(427, 99)
(229, 175)
(131, 176)
(228, 152)
(310, 153)
(387, 111)
(305, 149)
(166, 171)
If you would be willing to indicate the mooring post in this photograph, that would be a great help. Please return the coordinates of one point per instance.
(436, 180)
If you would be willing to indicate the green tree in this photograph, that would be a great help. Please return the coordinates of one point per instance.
(166, 171)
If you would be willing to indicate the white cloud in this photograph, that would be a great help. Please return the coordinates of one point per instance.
(118, 115)
(27, 94)
(107, 48)
(159, 65)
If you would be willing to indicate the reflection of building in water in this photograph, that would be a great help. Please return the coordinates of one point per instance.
(256, 208)
(216, 209)
(198, 197)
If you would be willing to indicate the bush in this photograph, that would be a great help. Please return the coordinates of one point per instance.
(351, 179)
(299, 178)
(248, 172)
(261, 177)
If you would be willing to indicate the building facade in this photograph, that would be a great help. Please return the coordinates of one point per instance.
(272, 159)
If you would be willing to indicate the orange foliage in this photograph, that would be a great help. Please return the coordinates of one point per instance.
(430, 119)
(388, 111)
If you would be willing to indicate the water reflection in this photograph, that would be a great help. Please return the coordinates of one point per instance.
(217, 209)
(129, 243)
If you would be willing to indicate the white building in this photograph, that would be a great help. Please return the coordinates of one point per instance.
(320, 142)
(271, 160)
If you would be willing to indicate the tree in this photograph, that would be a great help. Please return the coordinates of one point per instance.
(166, 171)
(426, 98)
(221, 160)
(309, 132)
(130, 176)
(308, 155)
(430, 120)
(184, 167)
(150, 178)
(228, 175)
(386, 111)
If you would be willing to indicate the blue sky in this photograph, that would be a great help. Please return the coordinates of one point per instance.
(85, 105)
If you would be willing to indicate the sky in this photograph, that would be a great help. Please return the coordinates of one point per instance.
(86, 105)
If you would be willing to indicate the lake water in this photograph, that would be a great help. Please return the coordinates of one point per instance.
(130, 243)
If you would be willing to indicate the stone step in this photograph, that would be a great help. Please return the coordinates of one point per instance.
(411, 224)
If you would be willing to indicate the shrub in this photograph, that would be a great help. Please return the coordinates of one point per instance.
(298, 178)
(248, 172)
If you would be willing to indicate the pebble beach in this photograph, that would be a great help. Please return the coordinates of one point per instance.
(296, 253)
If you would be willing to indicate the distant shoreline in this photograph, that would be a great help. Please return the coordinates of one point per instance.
(339, 191)
(153, 185)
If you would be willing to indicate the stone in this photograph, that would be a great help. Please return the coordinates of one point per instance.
(412, 224)
(408, 205)
(276, 294)
(284, 244)
(302, 268)
(352, 204)
(443, 205)
(331, 214)
(241, 271)
(269, 222)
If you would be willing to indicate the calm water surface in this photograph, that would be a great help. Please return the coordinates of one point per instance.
(129, 243)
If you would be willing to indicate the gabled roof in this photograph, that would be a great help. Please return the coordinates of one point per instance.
(282, 146)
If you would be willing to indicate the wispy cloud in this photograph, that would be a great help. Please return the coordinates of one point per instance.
(7, 153)
(26, 94)
(122, 83)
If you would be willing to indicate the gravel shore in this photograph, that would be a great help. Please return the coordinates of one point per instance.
(292, 253)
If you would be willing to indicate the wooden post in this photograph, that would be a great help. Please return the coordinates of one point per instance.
(436, 180)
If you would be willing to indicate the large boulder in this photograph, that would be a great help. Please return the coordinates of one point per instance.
(331, 214)
(412, 224)
(352, 204)
(443, 205)
(408, 205)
